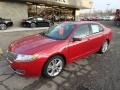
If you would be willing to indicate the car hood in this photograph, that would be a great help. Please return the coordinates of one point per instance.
(32, 44)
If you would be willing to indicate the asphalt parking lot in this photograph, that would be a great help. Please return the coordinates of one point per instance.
(96, 72)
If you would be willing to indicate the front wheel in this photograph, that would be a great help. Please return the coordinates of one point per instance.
(53, 67)
(104, 47)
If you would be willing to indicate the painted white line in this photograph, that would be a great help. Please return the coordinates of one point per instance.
(22, 29)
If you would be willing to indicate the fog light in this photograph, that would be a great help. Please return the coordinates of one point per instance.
(20, 72)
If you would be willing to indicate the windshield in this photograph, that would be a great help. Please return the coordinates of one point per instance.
(59, 32)
(30, 18)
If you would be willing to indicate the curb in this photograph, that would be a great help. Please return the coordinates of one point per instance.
(23, 29)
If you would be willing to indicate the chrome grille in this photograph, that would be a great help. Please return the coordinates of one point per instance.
(11, 56)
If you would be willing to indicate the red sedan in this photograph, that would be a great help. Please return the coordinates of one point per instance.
(47, 53)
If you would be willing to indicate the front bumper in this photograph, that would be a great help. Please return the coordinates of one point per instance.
(16, 71)
(30, 69)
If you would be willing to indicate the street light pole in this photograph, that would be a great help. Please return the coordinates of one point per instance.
(107, 9)
(91, 5)
(108, 6)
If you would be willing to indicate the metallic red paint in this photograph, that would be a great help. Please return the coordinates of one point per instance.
(46, 48)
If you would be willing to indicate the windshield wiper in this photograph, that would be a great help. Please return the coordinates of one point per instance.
(42, 33)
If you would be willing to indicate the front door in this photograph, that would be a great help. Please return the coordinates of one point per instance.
(80, 48)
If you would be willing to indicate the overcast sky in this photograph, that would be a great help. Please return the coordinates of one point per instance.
(101, 4)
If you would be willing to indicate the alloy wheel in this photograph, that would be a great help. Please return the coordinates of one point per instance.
(55, 67)
(105, 47)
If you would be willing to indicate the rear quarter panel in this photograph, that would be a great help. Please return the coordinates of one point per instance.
(108, 34)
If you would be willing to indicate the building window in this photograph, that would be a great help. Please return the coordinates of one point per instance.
(54, 13)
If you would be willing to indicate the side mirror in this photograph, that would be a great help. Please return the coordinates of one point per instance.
(76, 39)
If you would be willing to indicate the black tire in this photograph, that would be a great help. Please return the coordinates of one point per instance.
(32, 25)
(46, 72)
(104, 47)
(3, 26)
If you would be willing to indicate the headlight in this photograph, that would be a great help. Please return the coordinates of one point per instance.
(21, 57)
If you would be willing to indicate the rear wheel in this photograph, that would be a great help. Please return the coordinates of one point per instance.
(104, 47)
(3, 26)
(53, 67)
(33, 25)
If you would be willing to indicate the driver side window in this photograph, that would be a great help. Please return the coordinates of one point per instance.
(82, 31)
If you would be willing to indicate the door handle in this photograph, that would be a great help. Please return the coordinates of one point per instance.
(89, 38)
(100, 35)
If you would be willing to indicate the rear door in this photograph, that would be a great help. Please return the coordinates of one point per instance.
(42, 22)
(97, 37)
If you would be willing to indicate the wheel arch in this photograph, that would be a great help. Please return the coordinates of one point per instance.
(108, 40)
(56, 54)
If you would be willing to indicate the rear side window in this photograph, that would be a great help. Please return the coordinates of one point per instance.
(96, 28)
(82, 31)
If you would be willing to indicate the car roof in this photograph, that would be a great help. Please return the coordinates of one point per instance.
(81, 22)
(35, 17)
